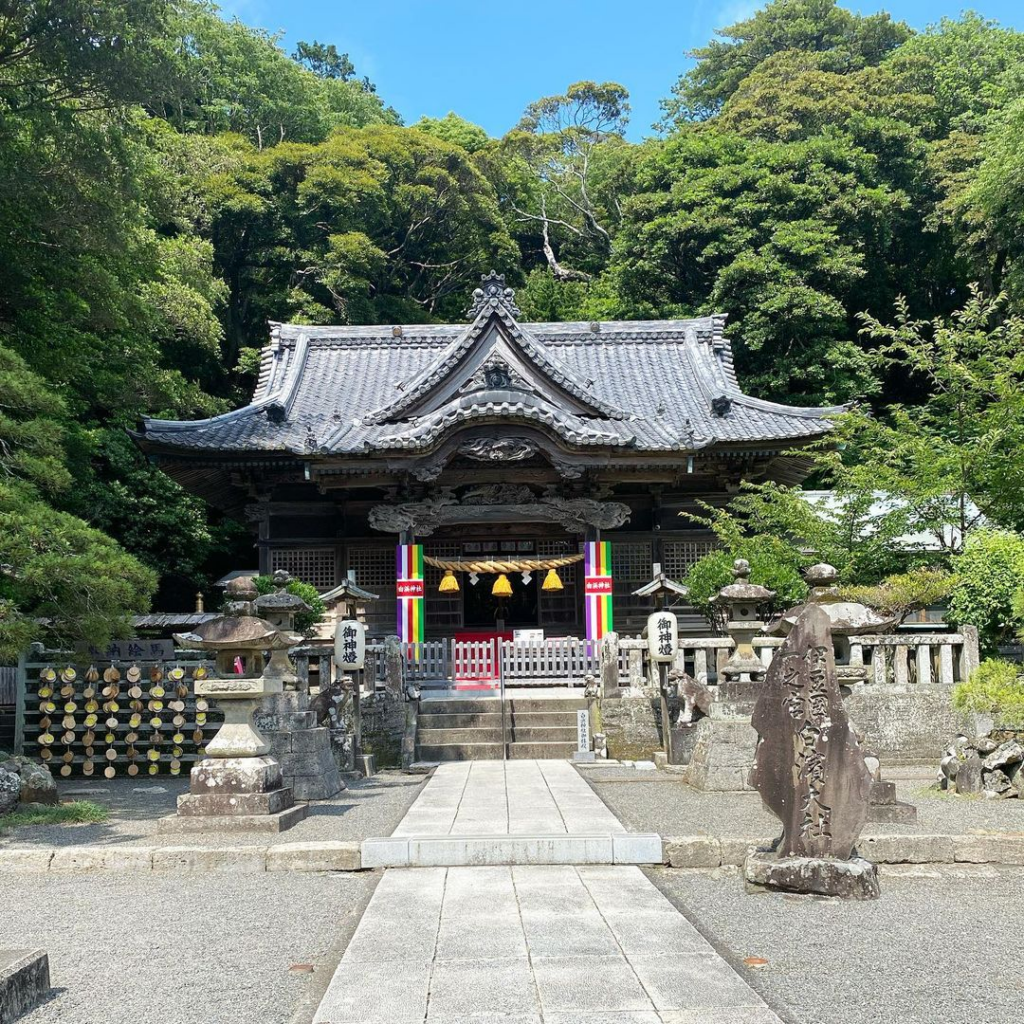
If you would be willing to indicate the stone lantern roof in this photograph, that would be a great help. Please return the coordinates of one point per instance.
(742, 591)
(280, 600)
(847, 618)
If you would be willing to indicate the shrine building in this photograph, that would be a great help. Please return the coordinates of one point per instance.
(489, 477)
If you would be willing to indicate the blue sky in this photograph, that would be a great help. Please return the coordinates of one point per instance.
(487, 61)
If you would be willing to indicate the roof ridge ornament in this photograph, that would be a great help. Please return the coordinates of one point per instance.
(491, 294)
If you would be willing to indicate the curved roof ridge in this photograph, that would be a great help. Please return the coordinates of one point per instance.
(447, 362)
(815, 412)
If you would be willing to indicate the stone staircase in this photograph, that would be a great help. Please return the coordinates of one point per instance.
(470, 729)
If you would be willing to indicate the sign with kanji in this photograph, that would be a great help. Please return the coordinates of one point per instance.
(133, 650)
(662, 636)
(350, 645)
(582, 729)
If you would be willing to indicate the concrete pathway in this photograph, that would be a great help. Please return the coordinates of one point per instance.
(531, 945)
(512, 812)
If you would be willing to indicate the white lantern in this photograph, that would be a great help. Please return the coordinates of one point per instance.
(350, 645)
(662, 636)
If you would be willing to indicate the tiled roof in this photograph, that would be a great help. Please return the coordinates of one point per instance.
(656, 385)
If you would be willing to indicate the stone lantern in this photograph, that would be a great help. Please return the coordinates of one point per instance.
(280, 608)
(741, 601)
(847, 618)
(285, 716)
(237, 782)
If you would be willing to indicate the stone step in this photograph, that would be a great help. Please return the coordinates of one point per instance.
(428, 736)
(540, 751)
(543, 734)
(24, 981)
(460, 706)
(537, 705)
(470, 720)
(543, 717)
(461, 752)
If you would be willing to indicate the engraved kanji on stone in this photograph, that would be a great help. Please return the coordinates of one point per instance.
(809, 767)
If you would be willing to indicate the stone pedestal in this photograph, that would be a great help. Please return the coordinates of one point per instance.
(883, 807)
(723, 754)
(302, 748)
(630, 728)
(853, 879)
(237, 794)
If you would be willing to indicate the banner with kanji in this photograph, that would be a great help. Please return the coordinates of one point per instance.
(597, 587)
(409, 590)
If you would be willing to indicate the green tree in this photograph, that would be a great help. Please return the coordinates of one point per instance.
(232, 78)
(455, 130)
(954, 458)
(777, 236)
(375, 225)
(988, 575)
(53, 567)
(840, 40)
(558, 174)
(324, 60)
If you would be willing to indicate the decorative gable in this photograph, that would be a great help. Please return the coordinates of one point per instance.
(495, 362)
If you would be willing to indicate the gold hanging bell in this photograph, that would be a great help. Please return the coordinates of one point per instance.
(502, 587)
(449, 583)
(552, 581)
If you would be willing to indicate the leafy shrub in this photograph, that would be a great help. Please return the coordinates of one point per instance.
(897, 595)
(305, 622)
(988, 574)
(996, 687)
(773, 564)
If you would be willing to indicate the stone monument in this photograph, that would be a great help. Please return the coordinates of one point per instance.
(285, 717)
(237, 786)
(810, 771)
(846, 619)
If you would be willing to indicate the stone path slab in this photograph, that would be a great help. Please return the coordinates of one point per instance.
(531, 945)
(474, 813)
(473, 798)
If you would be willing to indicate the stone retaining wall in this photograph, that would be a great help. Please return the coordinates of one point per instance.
(904, 726)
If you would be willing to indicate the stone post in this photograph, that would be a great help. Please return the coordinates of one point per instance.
(610, 664)
(394, 666)
(971, 656)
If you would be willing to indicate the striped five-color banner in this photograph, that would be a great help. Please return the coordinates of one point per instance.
(597, 587)
(409, 590)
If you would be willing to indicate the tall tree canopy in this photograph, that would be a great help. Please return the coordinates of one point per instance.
(839, 40)
(171, 180)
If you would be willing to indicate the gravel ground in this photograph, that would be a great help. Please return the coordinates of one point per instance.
(647, 801)
(939, 947)
(196, 949)
(368, 807)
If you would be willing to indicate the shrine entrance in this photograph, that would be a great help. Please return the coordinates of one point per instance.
(484, 612)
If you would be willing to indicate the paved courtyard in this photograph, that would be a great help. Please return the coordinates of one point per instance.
(520, 944)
